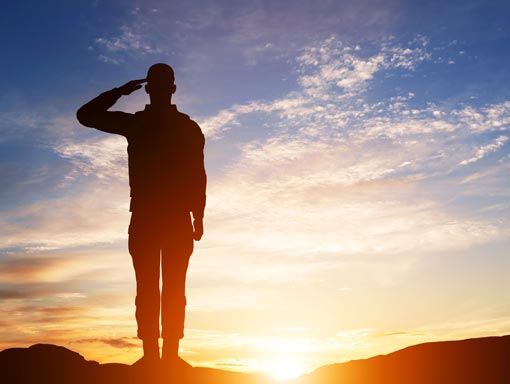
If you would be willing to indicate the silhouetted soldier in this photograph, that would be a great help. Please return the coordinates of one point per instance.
(168, 181)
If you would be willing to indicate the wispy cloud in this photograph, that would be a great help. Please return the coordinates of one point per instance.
(486, 149)
(131, 40)
(127, 40)
(118, 342)
(100, 156)
(15, 268)
(258, 32)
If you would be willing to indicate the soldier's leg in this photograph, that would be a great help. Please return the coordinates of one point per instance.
(177, 249)
(145, 251)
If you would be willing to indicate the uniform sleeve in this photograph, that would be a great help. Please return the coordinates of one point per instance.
(95, 114)
(199, 174)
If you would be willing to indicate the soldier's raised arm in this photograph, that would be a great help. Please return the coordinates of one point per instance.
(95, 114)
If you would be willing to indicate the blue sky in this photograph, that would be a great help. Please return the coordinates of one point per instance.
(358, 163)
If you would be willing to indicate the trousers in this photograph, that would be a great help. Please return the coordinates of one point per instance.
(160, 243)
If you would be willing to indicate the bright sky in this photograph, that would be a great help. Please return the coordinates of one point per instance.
(358, 162)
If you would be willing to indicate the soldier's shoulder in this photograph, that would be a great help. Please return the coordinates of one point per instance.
(190, 122)
(140, 114)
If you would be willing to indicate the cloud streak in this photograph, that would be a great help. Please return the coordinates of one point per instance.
(486, 149)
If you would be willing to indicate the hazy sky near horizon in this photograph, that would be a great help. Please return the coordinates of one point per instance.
(358, 162)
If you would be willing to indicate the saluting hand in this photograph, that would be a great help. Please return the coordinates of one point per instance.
(131, 86)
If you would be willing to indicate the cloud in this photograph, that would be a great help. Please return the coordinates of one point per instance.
(18, 267)
(331, 76)
(13, 294)
(344, 67)
(486, 149)
(102, 156)
(127, 40)
(68, 221)
(43, 316)
(131, 40)
(109, 60)
(39, 126)
(116, 342)
(263, 30)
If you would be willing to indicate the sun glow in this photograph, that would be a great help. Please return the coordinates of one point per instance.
(284, 369)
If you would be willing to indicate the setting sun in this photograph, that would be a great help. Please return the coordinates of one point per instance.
(283, 369)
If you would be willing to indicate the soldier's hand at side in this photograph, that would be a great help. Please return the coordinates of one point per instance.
(131, 86)
(198, 229)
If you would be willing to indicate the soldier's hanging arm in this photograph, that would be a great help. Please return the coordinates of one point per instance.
(95, 113)
(200, 183)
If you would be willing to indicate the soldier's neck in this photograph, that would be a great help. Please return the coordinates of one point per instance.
(160, 102)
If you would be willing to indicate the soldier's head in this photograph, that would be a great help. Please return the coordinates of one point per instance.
(160, 81)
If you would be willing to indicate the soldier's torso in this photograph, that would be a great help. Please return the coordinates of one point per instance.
(160, 148)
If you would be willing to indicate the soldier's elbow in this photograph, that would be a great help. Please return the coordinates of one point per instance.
(83, 117)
